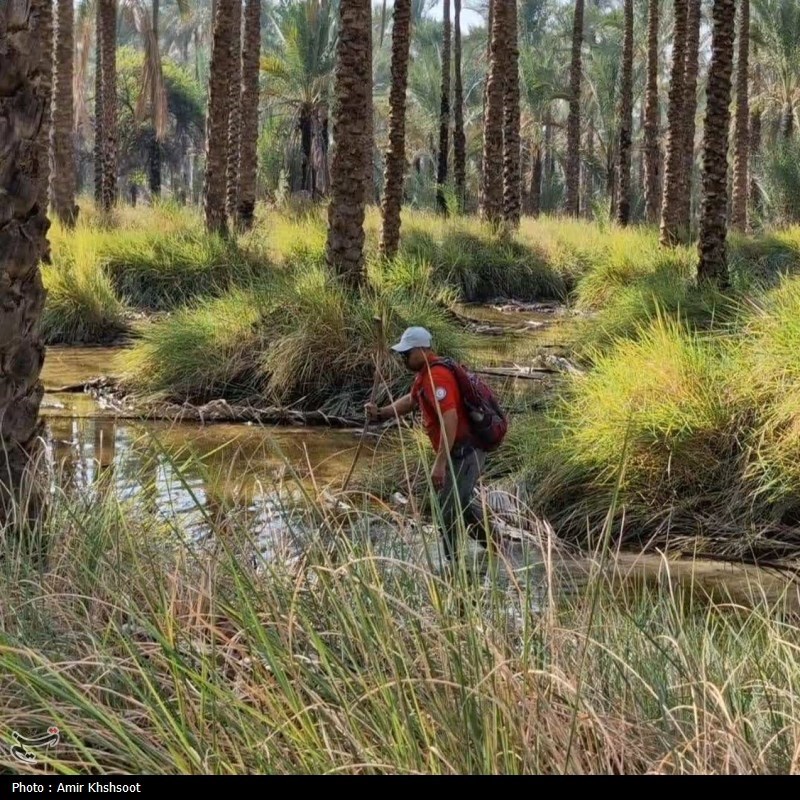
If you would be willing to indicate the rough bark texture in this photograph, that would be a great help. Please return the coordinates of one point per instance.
(573, 166)
(62, 168)
(675, 136)
(352, 101)
(396, 154)
(24, 112)
(248, 148)
(742, 141)
(369, 124)
(459, 139)
(444, 111)
(652, 149)
(536, 183)
(234, 109)
(155, 145)
(625, 122)
(713, 225)
(512, 174)
(108, 11)
(492, 173)
(214, 199)
(787, 121)
(42, 18)
(689, 115)
(98, 107)
(755, 147)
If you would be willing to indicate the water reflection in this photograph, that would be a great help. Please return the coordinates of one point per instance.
(199, 475)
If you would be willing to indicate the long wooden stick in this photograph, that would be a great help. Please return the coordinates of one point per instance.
(373, 397)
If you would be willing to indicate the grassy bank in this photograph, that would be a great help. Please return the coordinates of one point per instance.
(690, 397)
(154, 657)
(697, 430)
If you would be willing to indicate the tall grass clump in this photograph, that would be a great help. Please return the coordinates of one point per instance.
(652, 416)
(204, 350)
(82, 305)
(768, 384)
(157, 272)
(153, 655)
(479, 263)
(304, 341)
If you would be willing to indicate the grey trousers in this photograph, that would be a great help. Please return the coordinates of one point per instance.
(460, 508)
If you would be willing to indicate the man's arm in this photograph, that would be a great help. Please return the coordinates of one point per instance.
(448, 438)
(402, 406)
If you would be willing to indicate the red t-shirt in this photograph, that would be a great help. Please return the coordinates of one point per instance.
(442, 385)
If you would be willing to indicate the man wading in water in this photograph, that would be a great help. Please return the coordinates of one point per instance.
(437, 394)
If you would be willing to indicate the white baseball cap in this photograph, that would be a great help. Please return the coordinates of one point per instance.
(411, 338)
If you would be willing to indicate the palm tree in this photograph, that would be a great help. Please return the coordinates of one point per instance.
(690, 74)
(492, 180)
(248, 155)
(512, 178)
(214, 189)
(573, 165)
(777, 31)
(675, 137)
(713, 224)
(444, 114)
(626, 122)
(108, 67)
(234, 109)
(396, 154)
(299, 74)
(540, 75)
(742, 141)
(62, 144)
(652, 149)
(24, 112)
(353, 97)
(459, 139)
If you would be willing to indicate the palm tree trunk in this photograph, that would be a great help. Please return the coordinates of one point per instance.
(626, 122)
(353, 101)
(742, 141)
(652, 150)
(755, 148)
(787, 120)
(689, 115)
(108, 10)
(98, 107)
(512, 175)
(713, 226)
(43, 22)
(536, 183)
(396, 154)
(573, 166)
(62, 176)
(587, 174)
(492, 178)
(215, 185)
(459, 139)
(444, 112)
(248, 153)
(234, 110)
(369, 122)
(675, 136)
(24, 112)
(155, 146)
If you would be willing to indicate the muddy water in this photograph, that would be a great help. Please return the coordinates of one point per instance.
(188, 472)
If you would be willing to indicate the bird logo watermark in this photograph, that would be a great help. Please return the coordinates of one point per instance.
(26, 747)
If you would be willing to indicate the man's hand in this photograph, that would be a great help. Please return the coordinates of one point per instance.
(371, 410)
(438, 473)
